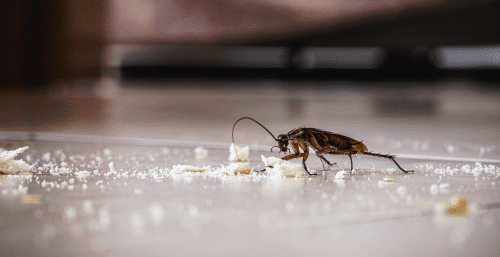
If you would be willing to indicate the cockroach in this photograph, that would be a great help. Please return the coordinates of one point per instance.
(323, 142)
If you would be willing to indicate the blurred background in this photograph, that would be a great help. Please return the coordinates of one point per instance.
(389, 72)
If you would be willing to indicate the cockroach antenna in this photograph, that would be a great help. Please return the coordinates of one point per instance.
(232, 134)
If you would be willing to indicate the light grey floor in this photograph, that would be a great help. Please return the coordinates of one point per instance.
(130, 203)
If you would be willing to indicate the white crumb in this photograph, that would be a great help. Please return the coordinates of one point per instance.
(238, 154)
(187, 168)
(388, 180)
(200, 152)
(278, 167)
(342, 174)
(9, 165)
(235, 168)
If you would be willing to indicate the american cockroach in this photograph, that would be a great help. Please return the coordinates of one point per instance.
(323, 142)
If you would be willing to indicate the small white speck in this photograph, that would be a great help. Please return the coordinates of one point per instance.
(434, 189)
(401, 190)
(70, 213)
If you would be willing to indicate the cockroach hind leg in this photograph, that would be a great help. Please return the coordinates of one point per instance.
(350, 157)
(391, 157)
(323, 164)
(403, 170)
(323, 159)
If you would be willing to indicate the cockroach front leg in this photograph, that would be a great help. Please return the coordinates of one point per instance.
(297, 154)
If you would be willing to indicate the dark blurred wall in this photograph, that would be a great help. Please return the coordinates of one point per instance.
(43, 41)
(50, 62)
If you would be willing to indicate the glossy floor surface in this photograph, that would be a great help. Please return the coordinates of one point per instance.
(111, 188)
(128, 200)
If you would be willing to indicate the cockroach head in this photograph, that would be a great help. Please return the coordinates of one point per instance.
(283, 142)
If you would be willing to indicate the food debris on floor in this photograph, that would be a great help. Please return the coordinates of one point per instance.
(280, 168)
(11, 166)
(238, 154)
(144, 196)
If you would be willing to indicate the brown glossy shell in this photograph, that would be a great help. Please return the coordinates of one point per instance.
(327, 139)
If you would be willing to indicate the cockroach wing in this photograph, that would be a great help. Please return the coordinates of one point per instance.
(341, 142)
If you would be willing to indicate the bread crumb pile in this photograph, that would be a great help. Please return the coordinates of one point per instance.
(238, 167)
(177, 169)
(279, 167)
(237, 154)
(9, 165)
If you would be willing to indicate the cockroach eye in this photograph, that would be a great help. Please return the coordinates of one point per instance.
(282, 137)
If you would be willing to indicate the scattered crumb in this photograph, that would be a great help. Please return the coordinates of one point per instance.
(279, 167)
(238, 154)
(434, 189)
(138, 191)
(187, 168)
(46, 157)
(111, 166)
(444, 188)
(460, 207)
(200, 152)
(31, 198)
(423, 202)
(82, 174)
(9, 165)
(389, 180)
(401, 190)
(386, 181)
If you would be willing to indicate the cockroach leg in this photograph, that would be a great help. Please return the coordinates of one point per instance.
(405, 171)
(388, 157)
(320, 155)
(350, 157)
(305, 167)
